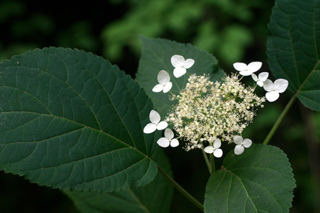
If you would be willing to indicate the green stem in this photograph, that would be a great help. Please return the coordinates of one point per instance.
(213, 167)
(276, 125)
(181, 190)
(207, 161)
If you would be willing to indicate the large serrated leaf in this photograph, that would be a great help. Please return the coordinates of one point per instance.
(156, 56)
(154, 197)
(71, 120)
(294, 48)
(259, 180)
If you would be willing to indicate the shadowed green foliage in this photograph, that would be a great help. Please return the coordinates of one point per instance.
(156, 56)
(294, 48)
(154, 197)
(71, 120)
(259, 180)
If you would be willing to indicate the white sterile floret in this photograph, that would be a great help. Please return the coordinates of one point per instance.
(247, 70)
(241, 144)
(261, 78)
(273, 89)
(168, 139)
(215, 149)
(155, 123)
(180, 65)
(164, 82)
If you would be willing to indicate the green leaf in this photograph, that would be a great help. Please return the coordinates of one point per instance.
(294, 48)
(259, 180)
(156, 56)
(154, 197)
(71, 120)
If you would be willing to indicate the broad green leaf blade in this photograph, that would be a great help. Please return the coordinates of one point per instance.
(71, 120)
(156, 56)
(154, 197)
(294, 48)
(259, 180)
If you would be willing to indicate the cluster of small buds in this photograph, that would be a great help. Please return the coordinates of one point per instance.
(212, 110)
(209, 113)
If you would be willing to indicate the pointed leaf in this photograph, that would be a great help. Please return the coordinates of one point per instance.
(154, 197)
(156, 56)
(71, 120)
(294, 48)
(258, 180)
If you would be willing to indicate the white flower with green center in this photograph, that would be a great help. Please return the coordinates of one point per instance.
(262, 77)
(273, 89)
(168, 139)
(155, 123)
(180, 65)
(215, 149)
(241, 144)
(164, 82)
(247, 70)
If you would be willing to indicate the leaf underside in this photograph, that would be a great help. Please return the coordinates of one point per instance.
(71, 120)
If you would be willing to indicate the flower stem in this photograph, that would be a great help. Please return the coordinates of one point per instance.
(207, 161)
(213, 167)
(181, 190)
(276, 125)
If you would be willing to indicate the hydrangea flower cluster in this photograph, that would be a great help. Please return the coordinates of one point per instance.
(209, 113)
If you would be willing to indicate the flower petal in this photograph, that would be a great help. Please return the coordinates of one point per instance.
(154, 116)
(254, 77)
(217, 143)
(163, 142)
(177, 60)
(168, 134)
(188, 63)
(149, 128)
(174, 143)
(167, 87)
(268, 85)
(238, 150)
(237, 139)
(254, 66)
(209, 149)
(163, 77)
(260, 83)
(272, 96)
(162, 125)
(280, 85)
(240, 66)
(247, 143)
(246, 73)
(178, 72)
(157, 88)
(218, 153)
(263, 76)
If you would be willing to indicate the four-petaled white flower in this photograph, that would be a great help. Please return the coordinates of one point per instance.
(261, 78)
(164, 82)
(241, 144)
(247, 70)
(168, 139)
(180, 65)
(273, 89)
(155, 123)
(215, 149)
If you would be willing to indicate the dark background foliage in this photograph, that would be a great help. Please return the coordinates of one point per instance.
(232, 30)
